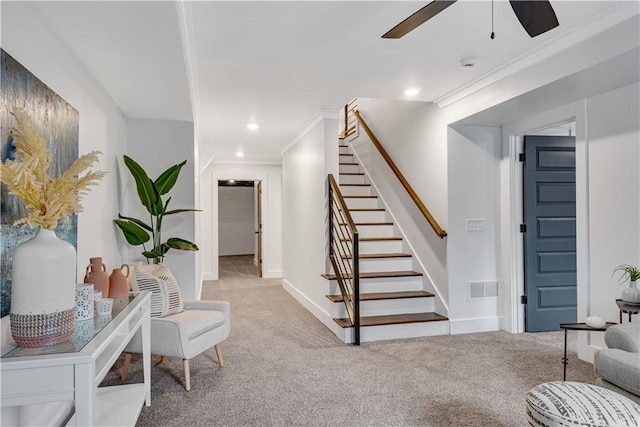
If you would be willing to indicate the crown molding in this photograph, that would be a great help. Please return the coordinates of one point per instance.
(549, 48)
(306, 128)
(187, 37)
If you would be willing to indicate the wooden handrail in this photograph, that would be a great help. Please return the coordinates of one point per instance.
(343, 204)
(423, 209)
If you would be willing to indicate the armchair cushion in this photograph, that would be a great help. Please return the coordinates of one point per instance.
(166, 298)
(197, 322)
(619, 367)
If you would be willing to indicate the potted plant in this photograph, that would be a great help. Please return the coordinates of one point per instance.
(632, 274)
(150, 192)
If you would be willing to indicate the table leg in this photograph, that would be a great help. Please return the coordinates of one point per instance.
(564, 359)
(620, 316)
(629, 317)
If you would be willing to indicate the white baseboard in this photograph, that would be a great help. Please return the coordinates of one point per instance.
(315, 309)
(272, 274)
(209, 276)
(468, 326)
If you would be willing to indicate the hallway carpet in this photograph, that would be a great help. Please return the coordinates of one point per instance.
(283, 367)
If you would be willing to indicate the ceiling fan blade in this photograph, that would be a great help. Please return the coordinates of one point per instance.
(536, 16)
(418, 18)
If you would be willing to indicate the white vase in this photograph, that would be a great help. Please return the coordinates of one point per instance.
(631, 294)
(43, 291)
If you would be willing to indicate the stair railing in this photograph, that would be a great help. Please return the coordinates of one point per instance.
(344, 254)
(349, 121)
(423, 209)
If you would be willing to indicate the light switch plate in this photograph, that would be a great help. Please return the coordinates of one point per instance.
(475, 225)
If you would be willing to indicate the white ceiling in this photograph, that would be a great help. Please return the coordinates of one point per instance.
(279, 63)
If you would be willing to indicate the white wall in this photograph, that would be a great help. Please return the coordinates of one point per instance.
(305, 165)
(472, 256)
(236, 219)
(271, 177)
(102, 127)
(156, 145)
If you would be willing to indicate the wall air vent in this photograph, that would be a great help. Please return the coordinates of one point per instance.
(483, 289)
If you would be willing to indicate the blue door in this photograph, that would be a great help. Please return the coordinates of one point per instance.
(550, 232)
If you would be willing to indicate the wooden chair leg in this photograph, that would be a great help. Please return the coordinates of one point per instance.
(219, 355)
(162, 358)
(125, 368)
(187, 375)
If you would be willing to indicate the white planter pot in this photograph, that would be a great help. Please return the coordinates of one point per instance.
(631, 294)
(43, 291)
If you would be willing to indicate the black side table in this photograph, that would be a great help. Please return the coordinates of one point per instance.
(625, 307)
(577, 327)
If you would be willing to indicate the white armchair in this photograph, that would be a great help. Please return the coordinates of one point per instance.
(202, 325)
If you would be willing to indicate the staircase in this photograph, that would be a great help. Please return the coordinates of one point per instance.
(393, 302)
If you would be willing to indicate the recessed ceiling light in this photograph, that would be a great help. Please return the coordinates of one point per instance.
(239, 153)
(253, 126)
(412, 91)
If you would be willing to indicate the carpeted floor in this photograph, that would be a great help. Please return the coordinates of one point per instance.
(283, 367)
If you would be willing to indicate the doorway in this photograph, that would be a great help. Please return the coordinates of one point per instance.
(549, 231)
(240, 223)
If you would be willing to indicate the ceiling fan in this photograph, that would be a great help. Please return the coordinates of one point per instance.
(536, 16)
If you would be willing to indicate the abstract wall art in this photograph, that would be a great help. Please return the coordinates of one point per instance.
(58, 123)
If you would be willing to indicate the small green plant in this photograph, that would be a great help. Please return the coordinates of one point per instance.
(150, 193)
(627, 272)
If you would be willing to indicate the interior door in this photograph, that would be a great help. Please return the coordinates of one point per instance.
(550, 233)
(259, 229)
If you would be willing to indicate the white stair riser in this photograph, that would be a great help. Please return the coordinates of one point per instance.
(368, 216)
(352, 179)
(347, 158)
(380, 246)
(344, 150)
(406, 330)
(360, 190)
(388, 307)
(391, 284)
(349, 168)
(375, 230)
(362, 203)
(385, 264)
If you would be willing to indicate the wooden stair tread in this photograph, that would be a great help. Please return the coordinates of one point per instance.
(351, 173)
(355, 185)
(359, 197)
(385, 295)
(367, 223)
(348, 164)
(382, 256)
(394, 319)
(343, 146)
(367, 210)
(379, 275)
(375, 239)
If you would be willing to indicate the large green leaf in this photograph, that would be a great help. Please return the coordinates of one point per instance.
(134, 234)
(137, 221)
(175, 211)
(168, 178)
(147, 192)
(183, 245)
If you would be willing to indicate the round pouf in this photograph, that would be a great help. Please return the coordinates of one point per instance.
(563, 403)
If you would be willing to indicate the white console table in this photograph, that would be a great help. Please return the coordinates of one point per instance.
(73, 371)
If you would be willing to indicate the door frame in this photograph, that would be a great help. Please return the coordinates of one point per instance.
(511, 212)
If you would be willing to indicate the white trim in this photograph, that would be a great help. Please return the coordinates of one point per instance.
(248, 163)
(187, 37)
(553, 46)
(273, 274)
(208, 277)
(314, 308)
(474, 325)
(306, 128)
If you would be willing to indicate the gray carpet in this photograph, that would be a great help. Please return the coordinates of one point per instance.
(283, 367)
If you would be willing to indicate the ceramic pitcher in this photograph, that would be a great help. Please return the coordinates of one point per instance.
(97, 274)
(118, 285)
